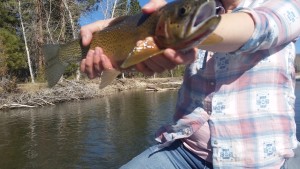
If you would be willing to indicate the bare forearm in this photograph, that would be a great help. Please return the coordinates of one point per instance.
(235, 29)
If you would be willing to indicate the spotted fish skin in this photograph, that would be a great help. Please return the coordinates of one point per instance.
(180, 25)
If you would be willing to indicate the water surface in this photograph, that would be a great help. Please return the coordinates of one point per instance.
(100, 133)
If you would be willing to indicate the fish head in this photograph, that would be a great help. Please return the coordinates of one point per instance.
(184, 23)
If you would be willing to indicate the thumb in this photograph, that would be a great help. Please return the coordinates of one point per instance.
(153, 5)
(86, 37)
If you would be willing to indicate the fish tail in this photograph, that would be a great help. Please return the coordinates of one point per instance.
(54, 66)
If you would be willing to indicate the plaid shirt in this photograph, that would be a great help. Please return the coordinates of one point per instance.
(247, 96)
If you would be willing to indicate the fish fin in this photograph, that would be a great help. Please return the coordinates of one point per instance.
(118, 20)
(107, 77)
(146, 49)
(54, 66)
(211, 39)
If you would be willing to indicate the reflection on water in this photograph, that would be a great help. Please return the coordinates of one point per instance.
(100, 133)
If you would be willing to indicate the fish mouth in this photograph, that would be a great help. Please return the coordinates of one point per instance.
(203, 23)
(202, 15)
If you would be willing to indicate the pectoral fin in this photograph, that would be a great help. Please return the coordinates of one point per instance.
(107, 77)
(211, 39)
(146, 49)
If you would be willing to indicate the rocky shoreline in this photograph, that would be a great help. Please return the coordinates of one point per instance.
(74, 91)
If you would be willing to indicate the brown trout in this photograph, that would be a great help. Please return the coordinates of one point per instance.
(180, 25)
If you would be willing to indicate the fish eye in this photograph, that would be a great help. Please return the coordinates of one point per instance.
(182, 11)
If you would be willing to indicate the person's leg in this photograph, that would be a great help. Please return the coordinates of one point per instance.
(174, 156)
(293, 163)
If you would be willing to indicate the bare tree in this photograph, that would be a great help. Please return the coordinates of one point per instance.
(48, 15)
(39, 36)
(108, 8)
(26, 45)
(74, 33)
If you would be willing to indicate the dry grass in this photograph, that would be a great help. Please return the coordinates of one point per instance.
(38, 94)
(32, 87)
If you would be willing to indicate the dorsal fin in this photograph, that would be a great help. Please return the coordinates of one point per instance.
(118, 20)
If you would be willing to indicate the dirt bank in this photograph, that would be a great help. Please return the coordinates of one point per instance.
(36, 95)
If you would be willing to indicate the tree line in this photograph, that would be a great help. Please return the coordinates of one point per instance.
(26, 25)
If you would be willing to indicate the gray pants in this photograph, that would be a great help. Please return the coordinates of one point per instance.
(293, 163)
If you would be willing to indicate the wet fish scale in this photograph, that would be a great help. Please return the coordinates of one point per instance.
(175, 25)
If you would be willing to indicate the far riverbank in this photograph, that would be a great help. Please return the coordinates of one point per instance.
(37, 95)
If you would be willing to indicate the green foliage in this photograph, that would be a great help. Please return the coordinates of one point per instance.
(13, 52)
(71, 70)
(11, 48)
(179, 71)
(121, 8)
(134, 7)
(125, 8)
(3, 64)
(8, 15)
(48, 22)
(88, 5)
(176, 72)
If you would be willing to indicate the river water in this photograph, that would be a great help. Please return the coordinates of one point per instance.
(100, 133)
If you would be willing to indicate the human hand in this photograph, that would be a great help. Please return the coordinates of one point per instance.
(153, 5)
(95, 61)
(170, 58)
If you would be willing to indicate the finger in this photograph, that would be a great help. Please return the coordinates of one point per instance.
(153, 5)
(97, 60)
(141, 67)
(164, 62)
(106, 63)
(86, 36)
(181, 57)
(153, 66)
(187, 57)
(89, 68)
(87, 31)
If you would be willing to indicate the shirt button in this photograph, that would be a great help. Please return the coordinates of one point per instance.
(212, 83)
(215, 142)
